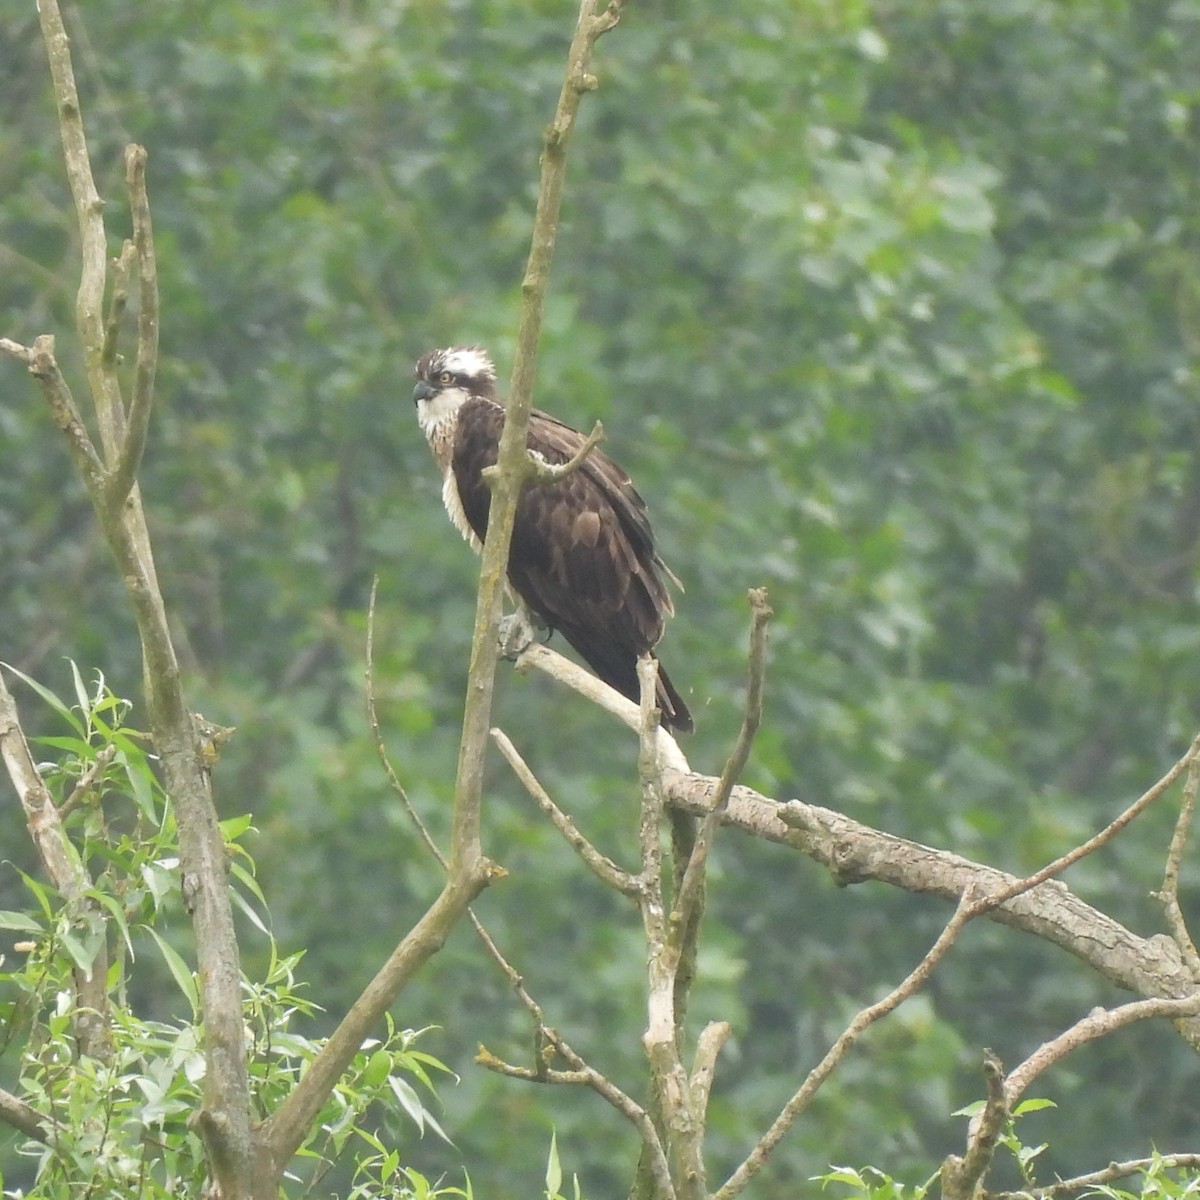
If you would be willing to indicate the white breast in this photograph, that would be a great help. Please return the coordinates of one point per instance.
(453, 503)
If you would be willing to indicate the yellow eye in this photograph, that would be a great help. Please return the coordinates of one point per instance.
(446, 377)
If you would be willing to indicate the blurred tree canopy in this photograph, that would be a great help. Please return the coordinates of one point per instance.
(893, 308)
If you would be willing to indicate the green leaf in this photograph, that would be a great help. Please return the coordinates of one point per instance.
(51, 699)
(553, 1169)
(19, 922)
(181, 972)
(117, 911)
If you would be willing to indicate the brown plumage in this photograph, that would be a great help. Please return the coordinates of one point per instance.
(582, 556)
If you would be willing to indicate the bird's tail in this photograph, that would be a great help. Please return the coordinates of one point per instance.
(675, 714)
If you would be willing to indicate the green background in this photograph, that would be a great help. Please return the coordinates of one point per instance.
(892, 308)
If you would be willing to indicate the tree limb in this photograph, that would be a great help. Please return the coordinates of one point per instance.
(599, 864)
(1115, 1170)
(855, 853)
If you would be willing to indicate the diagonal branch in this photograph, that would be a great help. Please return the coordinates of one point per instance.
(1093, 1179)
(24, 1117)
(863, 1020)
(599, 864)
(853, 853)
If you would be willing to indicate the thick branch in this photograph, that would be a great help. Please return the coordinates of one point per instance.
(855, 853)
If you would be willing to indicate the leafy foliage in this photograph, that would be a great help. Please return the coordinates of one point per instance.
(121, 1123)
(889, 307)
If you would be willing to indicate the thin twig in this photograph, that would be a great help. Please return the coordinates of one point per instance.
(1115, 1170)
(1100, 1022)
(689, 890)
(1106, 835)
(603, 867)
(118, 302)
(585, 1076)
(863, 1020)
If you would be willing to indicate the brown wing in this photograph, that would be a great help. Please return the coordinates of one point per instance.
(582, 556)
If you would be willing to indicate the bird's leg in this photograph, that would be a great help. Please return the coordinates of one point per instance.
(520, 630)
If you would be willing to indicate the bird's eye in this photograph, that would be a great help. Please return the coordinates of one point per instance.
(446, 377)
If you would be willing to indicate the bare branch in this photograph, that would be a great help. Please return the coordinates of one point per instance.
(1106, 835)
(683, 918)
(377, 735)
(43, 366)
(600, 865)
(89, 214)
(512, 458)
(579, 679)
(863, 1020)
(584, 1076)
(1116, 1170)
(708, 1046)
(118, 302)
(547, 473)
(1100, 1022)
(854, 852)
(225, 1119)
(133, 442)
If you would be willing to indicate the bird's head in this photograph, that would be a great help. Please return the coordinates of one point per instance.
(447, 378)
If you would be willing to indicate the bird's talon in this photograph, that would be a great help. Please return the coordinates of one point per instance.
(516, 635)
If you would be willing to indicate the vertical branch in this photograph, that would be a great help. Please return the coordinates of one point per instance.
(224, 1120)
(134, 441)
(672, 1102)
(688, 904)
(512, 460)
(89, 213)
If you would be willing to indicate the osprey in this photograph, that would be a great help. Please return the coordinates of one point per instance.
(582, 558)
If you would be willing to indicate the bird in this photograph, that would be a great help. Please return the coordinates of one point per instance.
(582, 558)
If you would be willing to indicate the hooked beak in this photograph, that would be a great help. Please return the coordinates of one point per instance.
(423, 391)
